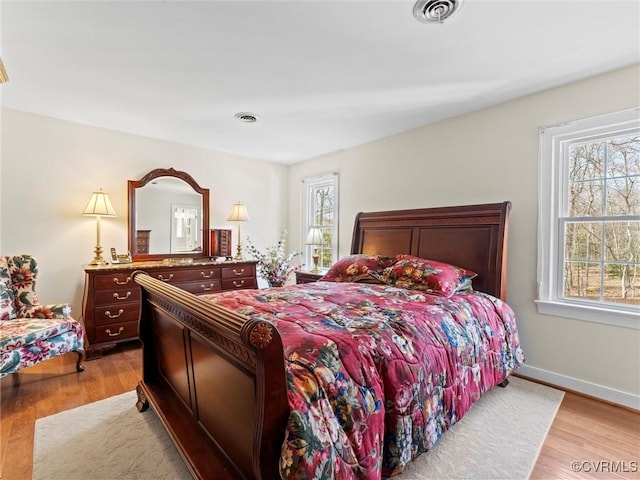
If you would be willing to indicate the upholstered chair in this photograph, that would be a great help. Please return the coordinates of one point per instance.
(29, 331)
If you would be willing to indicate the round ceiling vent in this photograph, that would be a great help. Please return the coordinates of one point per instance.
(435, 11)
(246, 117)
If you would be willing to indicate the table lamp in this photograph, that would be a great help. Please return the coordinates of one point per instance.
(238, 214)
(314, 237)
(99, 206)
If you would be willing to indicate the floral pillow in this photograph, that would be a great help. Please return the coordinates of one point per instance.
(358, 267)
(429, 276)
(23, 270)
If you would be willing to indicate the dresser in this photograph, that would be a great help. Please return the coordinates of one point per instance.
(111, 304)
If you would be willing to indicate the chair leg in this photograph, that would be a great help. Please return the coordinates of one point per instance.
(79, 366)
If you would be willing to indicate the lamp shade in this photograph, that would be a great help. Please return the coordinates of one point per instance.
(314, 237)
(238, 213)
(99, 205)
(3, 73)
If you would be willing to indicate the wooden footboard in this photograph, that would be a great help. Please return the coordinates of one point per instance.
(216, 380)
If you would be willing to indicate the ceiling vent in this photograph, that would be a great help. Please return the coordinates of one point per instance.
(435, 11)
(246, 117)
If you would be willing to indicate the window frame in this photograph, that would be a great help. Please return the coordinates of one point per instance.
(308, 186)
(552, 201)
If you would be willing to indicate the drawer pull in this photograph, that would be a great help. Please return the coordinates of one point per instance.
(117, 296)
(115, 280)
(165, 279)
(108, 332)
(238, 272)
(207, 276)
(207, 289)
(108, 313)
(238, 284)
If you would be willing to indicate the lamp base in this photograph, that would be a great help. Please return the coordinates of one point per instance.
(98, 262)
(315, 268)
(238, 255)
(97, 259)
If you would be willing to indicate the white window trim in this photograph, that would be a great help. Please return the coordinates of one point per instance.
(550, 176)
(307, 185)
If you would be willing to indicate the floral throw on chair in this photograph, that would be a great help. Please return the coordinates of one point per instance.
(30, 332)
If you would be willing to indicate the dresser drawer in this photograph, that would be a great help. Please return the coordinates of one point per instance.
(109, 281)
(125, 312)
(239, 283)
(116, 331)
(308, 276)
(175, 275)
(115, 296)
(237, 271)
(201, 287)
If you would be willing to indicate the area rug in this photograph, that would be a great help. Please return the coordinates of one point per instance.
(499, 438)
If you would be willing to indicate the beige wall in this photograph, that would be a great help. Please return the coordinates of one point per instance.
(490, 156)
(50, 167)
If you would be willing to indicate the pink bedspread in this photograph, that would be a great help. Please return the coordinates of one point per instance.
(376, 374)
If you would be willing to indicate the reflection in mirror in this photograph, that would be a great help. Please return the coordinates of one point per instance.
(168, 216)
(184, 228)
(156, 213)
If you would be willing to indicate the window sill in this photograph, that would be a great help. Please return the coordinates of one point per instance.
(590, 314)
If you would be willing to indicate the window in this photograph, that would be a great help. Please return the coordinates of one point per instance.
(589, 219)
(321, 211)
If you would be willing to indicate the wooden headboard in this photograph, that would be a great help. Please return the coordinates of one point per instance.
(470, 236)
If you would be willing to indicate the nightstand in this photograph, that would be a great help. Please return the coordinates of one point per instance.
(307, 276)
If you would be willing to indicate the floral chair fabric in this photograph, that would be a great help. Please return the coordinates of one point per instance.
(30, 332)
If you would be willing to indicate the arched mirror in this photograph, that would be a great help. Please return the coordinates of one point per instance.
(168, 216)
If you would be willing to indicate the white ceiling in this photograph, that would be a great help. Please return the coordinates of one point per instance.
(321, 75)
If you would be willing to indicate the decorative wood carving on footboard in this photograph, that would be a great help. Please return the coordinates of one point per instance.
(217, 381)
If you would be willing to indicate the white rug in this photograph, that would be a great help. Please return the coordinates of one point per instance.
(499, 438)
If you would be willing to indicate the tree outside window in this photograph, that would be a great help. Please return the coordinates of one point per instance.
(602, 230)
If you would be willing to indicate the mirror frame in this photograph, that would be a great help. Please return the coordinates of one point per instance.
(132, 185)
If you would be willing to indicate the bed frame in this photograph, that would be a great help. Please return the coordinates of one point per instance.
(217, 379)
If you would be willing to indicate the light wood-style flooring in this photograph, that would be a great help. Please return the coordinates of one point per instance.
(584, 430)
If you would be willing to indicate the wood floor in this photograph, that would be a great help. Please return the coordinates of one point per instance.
(604, 439)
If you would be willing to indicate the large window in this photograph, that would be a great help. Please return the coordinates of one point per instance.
(321, 211)
(589, 238)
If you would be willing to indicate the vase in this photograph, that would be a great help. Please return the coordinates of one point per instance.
(274, 283)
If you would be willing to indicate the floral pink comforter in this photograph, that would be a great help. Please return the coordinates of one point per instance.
(376, 374)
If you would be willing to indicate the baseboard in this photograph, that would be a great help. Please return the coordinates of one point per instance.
(591, 389)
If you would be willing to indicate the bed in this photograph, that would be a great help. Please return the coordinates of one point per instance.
(242, 398)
